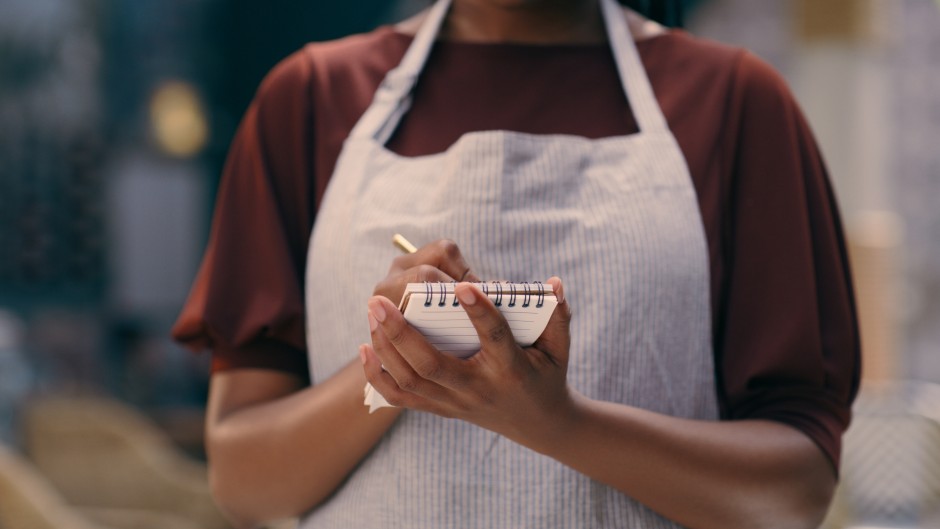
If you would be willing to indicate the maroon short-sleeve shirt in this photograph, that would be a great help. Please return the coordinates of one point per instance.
(784, 330)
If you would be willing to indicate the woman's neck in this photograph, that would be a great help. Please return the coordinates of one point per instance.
(525, 21)
(530, 22)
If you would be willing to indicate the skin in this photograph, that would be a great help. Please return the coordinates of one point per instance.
(277, 448)
(530, 22)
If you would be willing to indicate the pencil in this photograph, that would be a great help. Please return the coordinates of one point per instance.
(402, 243)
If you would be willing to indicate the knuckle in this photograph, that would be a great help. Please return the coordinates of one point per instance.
(371, 369)
(398, 263)
(426, 272)
(392, 333)
(381, 286)
(483, 399)
(408, 383)
(395, 335)
(448, 249)
(395, 398)
(432, 369)
(498, 333)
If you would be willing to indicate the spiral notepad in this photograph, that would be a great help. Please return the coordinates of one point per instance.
(433, 309)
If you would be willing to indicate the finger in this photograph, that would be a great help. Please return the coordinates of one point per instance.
(447, 256)
(495, 335)
(393, 286)
(555, 340)
(469, 276)
(412, 361)
(426, 272)
(387, 387)
(383, 382)
(443, 254)
(391, 360)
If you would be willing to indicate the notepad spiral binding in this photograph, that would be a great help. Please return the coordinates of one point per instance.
(512, 290)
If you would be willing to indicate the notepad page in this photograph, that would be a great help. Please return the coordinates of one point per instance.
(447, 327)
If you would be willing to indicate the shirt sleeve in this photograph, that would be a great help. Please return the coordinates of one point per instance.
(787, 341)
(246, 304)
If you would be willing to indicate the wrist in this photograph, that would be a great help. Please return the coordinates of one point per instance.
(562, 422)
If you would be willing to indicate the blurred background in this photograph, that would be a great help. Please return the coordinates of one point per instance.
(115, 116)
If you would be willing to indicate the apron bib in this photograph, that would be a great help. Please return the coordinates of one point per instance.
(616, 218)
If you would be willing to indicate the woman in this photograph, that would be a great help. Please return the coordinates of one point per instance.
(682, 201)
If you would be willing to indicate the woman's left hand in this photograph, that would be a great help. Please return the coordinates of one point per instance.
(519, 392)
(743, 473)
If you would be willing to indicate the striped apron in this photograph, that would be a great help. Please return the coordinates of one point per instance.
(616, 218)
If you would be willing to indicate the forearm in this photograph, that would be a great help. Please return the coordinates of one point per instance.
(282, 456)
(701, 474)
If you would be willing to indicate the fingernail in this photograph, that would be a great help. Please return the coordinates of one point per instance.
(559, 291)
(362, 354)
(377, 310)
(465, 296)
(372, 323)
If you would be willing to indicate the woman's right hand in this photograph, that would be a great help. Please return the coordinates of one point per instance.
(440, 260)
(269, 416)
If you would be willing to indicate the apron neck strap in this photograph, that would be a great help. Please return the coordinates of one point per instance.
(393, 97)
(636, 84)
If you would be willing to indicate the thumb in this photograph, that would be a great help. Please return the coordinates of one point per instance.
(555, 340)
